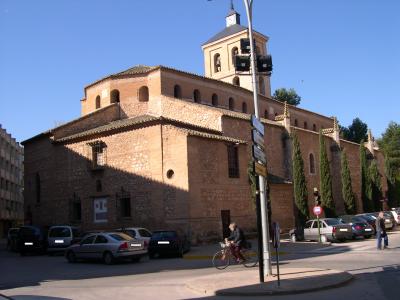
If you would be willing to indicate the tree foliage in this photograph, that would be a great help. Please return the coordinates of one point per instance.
(366, 187)
(375, 188)
(299, 183)
(290, 96)
(356, 132)
(347, 189)
(325, 180)
(390, 144)
(252, 181)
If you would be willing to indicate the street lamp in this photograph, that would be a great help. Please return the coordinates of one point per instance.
(262, 181)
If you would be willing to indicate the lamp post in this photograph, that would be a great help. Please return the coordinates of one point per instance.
(262, 181)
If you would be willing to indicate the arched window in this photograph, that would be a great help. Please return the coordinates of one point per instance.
(244, 107)
(236, 81)
(312, 164)
(214, 100)
(314, 127)
(261, 85)
(234, 52)
(98, 104)
(217, 63)
(266, 114)
(196, 96)
(177, 91)
(296, 123)
(231, 103)
(38, 188)
(144, 94)
(305, 125)
(114, 95)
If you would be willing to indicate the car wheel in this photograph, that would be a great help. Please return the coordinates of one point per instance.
(324, 239)
(71, 257)
(108, 258)
(293, 238)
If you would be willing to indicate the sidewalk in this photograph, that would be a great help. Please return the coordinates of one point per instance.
(246, 282)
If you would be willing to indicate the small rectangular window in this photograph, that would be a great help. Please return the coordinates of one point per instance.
(233, 161)
(125, 204)
(98, 155)
(76, 211)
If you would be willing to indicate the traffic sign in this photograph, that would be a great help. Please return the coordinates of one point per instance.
(259, 155)
(317, 210)
(260, 169)
(257, 124)
(257, 138)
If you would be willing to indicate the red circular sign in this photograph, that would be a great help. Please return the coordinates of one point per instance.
(317, 210)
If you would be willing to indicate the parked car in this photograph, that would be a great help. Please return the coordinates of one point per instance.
(60, 238)
(12, 239)
(138, 233)
(359, 226)
(331, 229)
(396, 214)
(31, 239)
(168, 242)
(388, 219)
(369, 219)
(390, 216)
(106, 246)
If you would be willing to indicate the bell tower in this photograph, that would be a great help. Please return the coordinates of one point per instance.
(220, 50)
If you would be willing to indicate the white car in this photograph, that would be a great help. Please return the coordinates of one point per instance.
(138, 233)
(396, 214)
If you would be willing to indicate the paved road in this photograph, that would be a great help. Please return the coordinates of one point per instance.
(45, 277)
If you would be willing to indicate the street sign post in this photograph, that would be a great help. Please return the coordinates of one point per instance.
(317, 210)
(277, 244)
(257, 124)
(257, 138)
(260, 169)
(259, 155)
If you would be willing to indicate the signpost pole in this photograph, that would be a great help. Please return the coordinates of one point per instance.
(259, 226)
(262, 182)
(319, 230)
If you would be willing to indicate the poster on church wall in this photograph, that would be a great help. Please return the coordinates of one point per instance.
(100, 210)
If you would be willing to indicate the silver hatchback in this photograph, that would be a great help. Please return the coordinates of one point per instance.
(107, 246)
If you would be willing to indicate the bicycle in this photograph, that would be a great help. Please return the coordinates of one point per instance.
(223, 258)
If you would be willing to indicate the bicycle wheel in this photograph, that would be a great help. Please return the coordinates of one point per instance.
(219, 261)
(251, 258)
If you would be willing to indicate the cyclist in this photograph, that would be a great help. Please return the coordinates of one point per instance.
(236, 241)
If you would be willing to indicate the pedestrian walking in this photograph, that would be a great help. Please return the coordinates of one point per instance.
(381, 232)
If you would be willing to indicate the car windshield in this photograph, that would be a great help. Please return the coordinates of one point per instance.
(60, 232)
(332, 222)
(120, 236)
(164, 234)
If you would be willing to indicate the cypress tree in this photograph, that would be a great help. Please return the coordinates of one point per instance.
(347, 189)
(375, 186)
(366, 190)
(325, 180)
(299, 183)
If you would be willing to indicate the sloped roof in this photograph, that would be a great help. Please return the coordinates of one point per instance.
(231, 30)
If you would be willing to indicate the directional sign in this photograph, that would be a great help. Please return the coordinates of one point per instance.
(257, 138)
(260, 169)
(317, 210)
(257, 124)
(259, 155)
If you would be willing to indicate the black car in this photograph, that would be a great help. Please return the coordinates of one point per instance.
(31, 239)
(12, 239)
(359, 226)
(168, 242)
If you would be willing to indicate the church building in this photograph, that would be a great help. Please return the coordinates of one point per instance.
(162, 148)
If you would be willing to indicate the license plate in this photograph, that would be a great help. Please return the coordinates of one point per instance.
(342, 229)
(59, 241)
(136, 245)
(28, 244)
(368, 229)
(163, 242)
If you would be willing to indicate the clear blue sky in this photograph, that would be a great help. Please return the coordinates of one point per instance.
(342, 57)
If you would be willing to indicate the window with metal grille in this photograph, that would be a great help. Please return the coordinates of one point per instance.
(98, 155)
(125, 205)
(233, 161)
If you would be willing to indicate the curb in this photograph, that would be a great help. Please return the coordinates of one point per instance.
(256, 289)
(287, 292)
